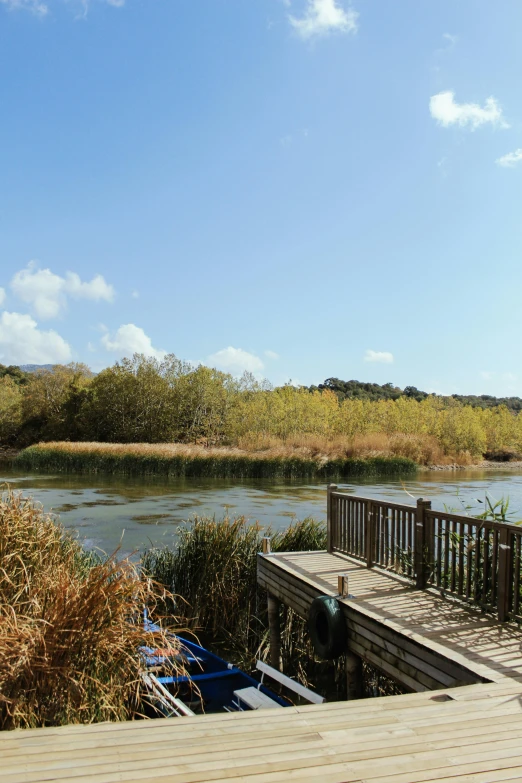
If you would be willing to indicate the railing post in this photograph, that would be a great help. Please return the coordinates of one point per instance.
(331, 516)
(420, 543)
(505, 562)
(369, 532)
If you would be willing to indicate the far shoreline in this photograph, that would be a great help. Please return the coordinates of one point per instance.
(322, 467)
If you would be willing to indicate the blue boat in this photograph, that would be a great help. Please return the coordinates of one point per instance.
(211, 684)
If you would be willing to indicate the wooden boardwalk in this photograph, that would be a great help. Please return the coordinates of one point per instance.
(462, 722)
(475, 737)
(421, 639)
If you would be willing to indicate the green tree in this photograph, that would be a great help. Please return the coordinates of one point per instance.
(52, 402)
(10, 410)
(135, 401)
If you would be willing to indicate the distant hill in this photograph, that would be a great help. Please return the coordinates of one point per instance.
(373, 391)
(35, 367)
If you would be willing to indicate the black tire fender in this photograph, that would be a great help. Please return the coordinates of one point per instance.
(327, 627)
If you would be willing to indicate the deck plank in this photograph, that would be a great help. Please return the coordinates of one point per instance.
(469, 729)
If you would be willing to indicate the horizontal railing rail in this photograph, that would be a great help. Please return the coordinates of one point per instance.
(474, 560)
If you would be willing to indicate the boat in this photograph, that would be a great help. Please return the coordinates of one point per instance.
(211, 684)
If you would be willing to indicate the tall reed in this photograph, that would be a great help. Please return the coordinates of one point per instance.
(179, 460)
(70, 625)
(214, 569)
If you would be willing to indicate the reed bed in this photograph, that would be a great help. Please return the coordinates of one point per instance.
(213, 568)
(70, 625)
(196, 461)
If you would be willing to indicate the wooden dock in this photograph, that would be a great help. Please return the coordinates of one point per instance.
(475, 737)
(422, 640)
(429, 597)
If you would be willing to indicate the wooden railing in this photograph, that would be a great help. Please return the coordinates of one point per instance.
(473, 560)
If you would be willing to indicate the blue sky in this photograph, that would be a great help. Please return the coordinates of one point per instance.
(302, 189)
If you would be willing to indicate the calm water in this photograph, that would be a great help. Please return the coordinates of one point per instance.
(107, 510)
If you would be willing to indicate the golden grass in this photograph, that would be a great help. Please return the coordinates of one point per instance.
(70, 625)
(423, 449)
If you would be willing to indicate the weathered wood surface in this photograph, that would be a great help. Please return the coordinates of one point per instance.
(473, 736)
(416, 636)
(475, 560)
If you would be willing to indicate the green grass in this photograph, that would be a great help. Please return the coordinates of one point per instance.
(82, 459)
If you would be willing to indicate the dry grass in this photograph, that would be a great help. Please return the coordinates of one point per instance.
(423, 449)
(70, 625)
(298, 458)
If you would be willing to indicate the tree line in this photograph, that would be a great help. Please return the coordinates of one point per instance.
(145, 400)
(346, 390)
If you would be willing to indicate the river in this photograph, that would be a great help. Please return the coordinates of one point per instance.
(110, 511)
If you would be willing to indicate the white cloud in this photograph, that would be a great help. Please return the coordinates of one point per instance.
(47, 293)
(487, 375)
(135, 294)
(2, 296)
(35, 6)
(447, 111)
(325, 16)
(235, 361)
(130, 339)
(271, 355)
(511, 159)
(21, 342)
(452, 39)
(40, 8)
(382, 357)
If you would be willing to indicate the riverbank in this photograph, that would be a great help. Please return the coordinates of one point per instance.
(177, 460)
(515, 466)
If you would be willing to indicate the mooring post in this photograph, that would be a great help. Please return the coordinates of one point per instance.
(354, 676)
(274, 628)
(421, 544)
(267, 545)
(330, 517)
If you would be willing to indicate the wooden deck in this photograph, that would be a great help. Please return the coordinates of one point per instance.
(421, 639)
(462, 722)
(472, 737)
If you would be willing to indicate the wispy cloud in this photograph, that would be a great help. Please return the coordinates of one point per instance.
(271, 355)
(322, 17)
(34, 6)
(380, 357)
(451, 39)
(446, 111)
(2, 296)
(511, 159)
(40, 8)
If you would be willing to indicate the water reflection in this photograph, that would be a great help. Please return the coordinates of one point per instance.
(109, 511)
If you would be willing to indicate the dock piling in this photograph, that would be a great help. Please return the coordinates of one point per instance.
(274, 627)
